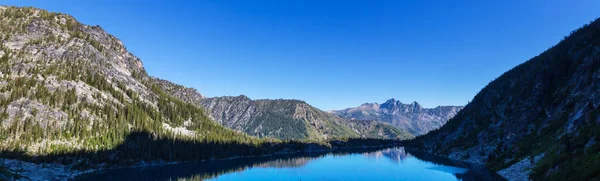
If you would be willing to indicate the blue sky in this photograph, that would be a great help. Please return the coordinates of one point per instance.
(333, 54)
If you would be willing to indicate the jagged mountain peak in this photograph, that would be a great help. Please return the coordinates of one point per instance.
(416, 105)
(289, 118)
(412, 117)
(392, 101)
(391, 104)
(397, 105)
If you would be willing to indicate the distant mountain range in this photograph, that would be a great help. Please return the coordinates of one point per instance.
(72, 93)
(281, 118)
(69, 88)
(411, 117)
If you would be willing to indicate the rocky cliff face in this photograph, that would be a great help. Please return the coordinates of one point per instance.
(72, 92)
(289, 119)
(411, 117)
(538, 120)
(377, 129)
(68, 86)
(186, 94)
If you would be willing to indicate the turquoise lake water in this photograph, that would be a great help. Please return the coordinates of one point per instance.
(355, 165)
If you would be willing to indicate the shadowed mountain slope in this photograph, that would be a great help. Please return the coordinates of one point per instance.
(538, 120)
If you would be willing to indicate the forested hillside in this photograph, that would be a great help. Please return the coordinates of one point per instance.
(281, 118)
(377, 129)
(73, 90)
(538, 120)
(67, 86)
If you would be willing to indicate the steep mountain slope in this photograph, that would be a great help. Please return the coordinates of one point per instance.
(66, 86)
(288, 119)
(186, 94)
(58, 74)
(275, 118)
(377, 129)
(539, 119)
(71, 94)
(72, 89)
(412, 117)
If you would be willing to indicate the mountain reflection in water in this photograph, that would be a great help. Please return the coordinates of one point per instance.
(393, 154)
(358, 164)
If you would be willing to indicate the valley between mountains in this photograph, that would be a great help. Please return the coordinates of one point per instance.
(73, 97)
(70, 91)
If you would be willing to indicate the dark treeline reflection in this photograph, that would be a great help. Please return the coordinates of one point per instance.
(211, 169)
(475, 172)
(145, 146)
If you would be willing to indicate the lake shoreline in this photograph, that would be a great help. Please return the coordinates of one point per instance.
(394, 163)
(454, 160)
(26, 170)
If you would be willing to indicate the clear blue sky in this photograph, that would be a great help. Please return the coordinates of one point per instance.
(334, 54)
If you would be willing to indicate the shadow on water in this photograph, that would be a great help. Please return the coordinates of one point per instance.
(474, 172)
(144, 146)
(212, 169)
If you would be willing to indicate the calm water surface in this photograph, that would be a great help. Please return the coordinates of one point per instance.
(355, 165)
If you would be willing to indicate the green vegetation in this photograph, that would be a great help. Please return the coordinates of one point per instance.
(285, 119)
(279, 120)
(78, 108)
(221, 167)
(546, 105)
(571, 157)
(116, 118)
(390, 130)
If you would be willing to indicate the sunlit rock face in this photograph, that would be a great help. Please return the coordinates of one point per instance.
(291, 119)
(411, 117)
